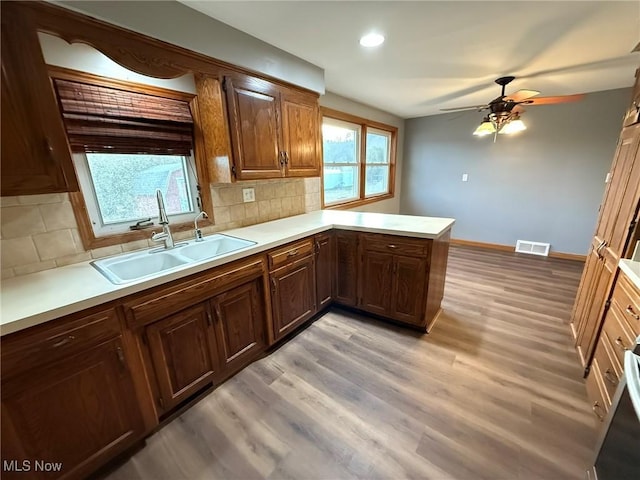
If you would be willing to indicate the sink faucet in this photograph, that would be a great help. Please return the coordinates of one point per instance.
(165, 236)
(198, 232)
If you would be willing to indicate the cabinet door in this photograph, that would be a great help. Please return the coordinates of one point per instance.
(35, 154)
(593, 313)
(183, 353)
(584, 297)
(255, 138)
(409, 281)
(293, 295)
(346, 271)
(324, 269)
(375, 282)
(301, 132)
(80, 411)
(621, 168)
(239, 326)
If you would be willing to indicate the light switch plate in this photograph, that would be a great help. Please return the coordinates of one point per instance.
(248, 195)
(465, 177)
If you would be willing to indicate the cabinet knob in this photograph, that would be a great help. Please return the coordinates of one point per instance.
(620, 344)
(64, 341)
(392, 246)
(611, 377)
(596, 409)
(292, 253)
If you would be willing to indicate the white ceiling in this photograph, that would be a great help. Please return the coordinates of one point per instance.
(441, 54)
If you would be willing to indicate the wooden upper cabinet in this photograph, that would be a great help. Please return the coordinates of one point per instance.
(632, 115)
(301, 135)
(621, 196)
(275, 131)
(240, 325)
(35, 153)
(253, 116)
(183, 352)
(80, 411)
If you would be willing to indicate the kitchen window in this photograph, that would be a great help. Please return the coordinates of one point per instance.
(358, 160)
(128, 140)
(120, 189)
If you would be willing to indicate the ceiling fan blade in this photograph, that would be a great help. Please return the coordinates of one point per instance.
(637, 49)
(521, 95)
(474, 107)
(553, 100)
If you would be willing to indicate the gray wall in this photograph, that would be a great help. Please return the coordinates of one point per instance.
(544, 184)
(180, 25)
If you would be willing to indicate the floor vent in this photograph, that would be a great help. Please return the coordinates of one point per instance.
(533, 248)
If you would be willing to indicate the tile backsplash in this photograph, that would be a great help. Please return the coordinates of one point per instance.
(39, 232)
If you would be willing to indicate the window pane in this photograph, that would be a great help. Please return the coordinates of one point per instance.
(340, 144)
(340, 183)
(378, 147)
(377, 180)
(125, 185)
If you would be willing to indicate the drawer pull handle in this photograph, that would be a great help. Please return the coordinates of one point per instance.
(64, 341)
(632, 313)
(611, 377)
(596, 407)
(292, 253)
(392, 246)
(620, 344)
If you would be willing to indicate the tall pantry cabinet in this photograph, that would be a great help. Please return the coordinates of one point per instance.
(616, 234)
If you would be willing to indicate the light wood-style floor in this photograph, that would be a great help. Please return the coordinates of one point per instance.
(494, 392)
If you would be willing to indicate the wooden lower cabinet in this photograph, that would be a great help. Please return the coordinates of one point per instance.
(77, 413)
(325, 261)
(346, 268)
(390, 283)
(409, 282)
(376, 282)
(293, 295)
(590, 303)
(240, 326)
(184, 355)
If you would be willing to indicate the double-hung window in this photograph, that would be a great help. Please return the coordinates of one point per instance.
(358, 160)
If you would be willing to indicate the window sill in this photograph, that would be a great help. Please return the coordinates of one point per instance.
(90, 241)
(358, 203)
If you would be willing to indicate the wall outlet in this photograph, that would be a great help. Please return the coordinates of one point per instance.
(248, 195)
(465, 177)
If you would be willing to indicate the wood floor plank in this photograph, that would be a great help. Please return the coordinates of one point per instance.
(494, 392)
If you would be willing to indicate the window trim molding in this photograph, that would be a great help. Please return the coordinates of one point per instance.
(365, 124)
(89, 240)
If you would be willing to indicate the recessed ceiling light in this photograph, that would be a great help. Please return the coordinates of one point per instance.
(371, 40)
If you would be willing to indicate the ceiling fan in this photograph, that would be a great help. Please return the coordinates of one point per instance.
(504, 111)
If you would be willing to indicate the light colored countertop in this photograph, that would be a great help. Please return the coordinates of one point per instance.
(33, 299)
(632, 270)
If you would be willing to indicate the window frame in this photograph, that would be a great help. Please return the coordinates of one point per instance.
(89, 239)
(365, 125)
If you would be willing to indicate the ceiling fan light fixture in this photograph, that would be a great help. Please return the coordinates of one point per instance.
(514, 126)
(485, 128)
(371, 40)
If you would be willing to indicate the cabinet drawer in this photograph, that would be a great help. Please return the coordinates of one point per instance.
(288, 253)
(165, 301)
(394, 244)
(51, 342)
(626, 295)
(595, 391)
(618, 333)
(609, 369)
